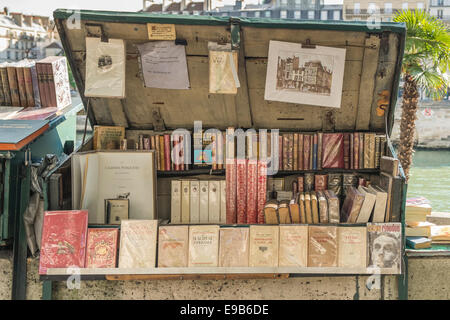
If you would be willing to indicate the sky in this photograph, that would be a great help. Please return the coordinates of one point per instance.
(46, 7)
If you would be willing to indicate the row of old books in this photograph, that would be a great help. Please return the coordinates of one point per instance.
(198, 201)
(68, 242)
(27, 83)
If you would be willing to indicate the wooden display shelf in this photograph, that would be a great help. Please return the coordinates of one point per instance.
(210, 273)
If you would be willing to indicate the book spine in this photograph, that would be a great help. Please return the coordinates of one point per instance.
(155, 142)
(306, 148)
(42, 91)
(319, 150)
(366, 151)
(185, 201)
(51, 85)
(46, 85)
(21, 87)
(356, 151)
(175, 208)
(214, 152)
(204, 201)
(5, 86)
(285, 151)
(174, 139)
(372, 150)
(315, 141)
(300, 152)
(352, 144)
(262, 190)
(252, 191)
(161, 153)
(346, 151)
(2, 95)
(377, 152)
(311, 152)
(28, 86)
(300, 184)
(223, 201)
(361, 150)
(280, 152)
(13, 87)
(230, 177)
(167, 162)
(241, 197)
(383, 151)
(295, 152)
(320, 182)
(290, 152)
(219, 142)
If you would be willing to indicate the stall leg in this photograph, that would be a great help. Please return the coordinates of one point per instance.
(47, 288)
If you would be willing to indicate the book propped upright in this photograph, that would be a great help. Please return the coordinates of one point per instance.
(107, 137)
(203, 246)
(264, 242)
(293, 246)
(384, 243)
(352, 205)
(367, 205)
(323, 246)
(234, 247)
(352, 251)
(379, 210)
(173, 245)
(101, 249)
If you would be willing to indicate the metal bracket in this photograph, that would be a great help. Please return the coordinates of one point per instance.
(158, 122)
(97, 31)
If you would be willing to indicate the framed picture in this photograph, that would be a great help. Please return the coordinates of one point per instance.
(311, 76)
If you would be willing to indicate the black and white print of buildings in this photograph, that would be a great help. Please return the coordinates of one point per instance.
(304, 73)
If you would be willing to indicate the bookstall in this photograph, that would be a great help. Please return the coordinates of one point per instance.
(307, 189)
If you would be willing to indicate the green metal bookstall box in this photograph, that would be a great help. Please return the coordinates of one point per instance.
(372, 70)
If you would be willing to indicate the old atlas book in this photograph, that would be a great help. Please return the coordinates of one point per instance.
(63, 241)
(323, 246)
(264, 242)
(101, 248)
(203, 246)
(234, 247)
(293, 246)
(108, 138)
(385, 245)
(352, 247)
(173, 246)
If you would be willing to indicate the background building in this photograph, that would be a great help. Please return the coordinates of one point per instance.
(440, 9)
(363, 9)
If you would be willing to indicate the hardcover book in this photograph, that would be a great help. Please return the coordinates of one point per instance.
(286, 152)
(293, 246)
(315, 141)
(308, 208)
(300, 152)
(295, 153)
(13, 85)
(335, 183)
(346, 150)
(230, 176)
(367, 206)
(319, 150)
(5, 84)
(352, 250)
(101, 248)
(21, 85)
(284, 215)
(369, 150)
(394, 189)
(173, 246)
(320, 182)
(162, 151)
(63, 241)
(323, 246)
(167, 154)
(138, 243)
(333, 206)
(294, 209)
(203, 246)
(323, 207)
(389, 165)
(306, 151)
(314, 208)
(204, 201)
(108, 138)
(333, 150)
(356, 150)
(185, 201)
(234, 247)
(116, 210)
(301, 203)
(241, 197)
(214, 201)
(264, 242)
(379, 211)
(385, 245)
(194, 201)
(175, 204)
(352, 205)
(309, 181)
(301, 184)
(262, 190)
(271, 212)
(252, 191)
(223, 202)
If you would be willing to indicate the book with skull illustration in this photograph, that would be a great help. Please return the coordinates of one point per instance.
(173, 245)
(385, 245)
(63, 241)
(101, 248)
(263, 246)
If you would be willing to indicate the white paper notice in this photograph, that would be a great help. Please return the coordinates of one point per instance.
(164, 65)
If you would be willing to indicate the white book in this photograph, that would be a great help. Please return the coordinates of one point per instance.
(175, 205)
(214, 201)
(223, 201)
(367, 205)
(203, 246)
(195, 201)
(204, 203)
(185, 201)
(379, 212)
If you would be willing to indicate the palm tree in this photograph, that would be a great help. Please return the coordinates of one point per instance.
(425, 63)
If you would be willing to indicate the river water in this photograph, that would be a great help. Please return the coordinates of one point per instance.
(430, 178)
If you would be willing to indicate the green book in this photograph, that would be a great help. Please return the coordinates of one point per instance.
(418, 242)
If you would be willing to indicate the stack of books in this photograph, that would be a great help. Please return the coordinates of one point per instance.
(418, 229)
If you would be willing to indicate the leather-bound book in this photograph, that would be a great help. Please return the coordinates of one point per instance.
(5, 84)
(367, 206)
(13, 85)
(315, 143)
(284, 215)
(348, 180)
(356, 150)
(286, 152)
(293, 246)
(306, 151)
(271, 212)
(323, 207)
(346, 150)
(314, 207)
(379, 211)
(308, 209)
(41, 84)
(162, 151)
(333, 206)
(300, 152)
(173, 246)
(377, 151)
(361, 150)
(101, 248)
(158, 153)
(319, 150)
(333, 150)
(280, 153)
(294, 209)
(389, 165)
(352, 205)
(335, 183)
(57, 81)
(311, 153)
(323, 246)
(352, 155)
(301, 183)
(320, 182)
(264, 246)
(369, 150)
(295, 153)
(28, 79)
(21, 85)
(309, 181)
(234, 247)
(167, 155)
(301, 203)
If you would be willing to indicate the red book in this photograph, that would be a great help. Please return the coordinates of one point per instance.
(230, 178)
(306, 148)
(181, 152)
(167, 152)
(320, 182)
(101, 247)
(346, 150)
(63, 239)
(300, 152)
(241, 196)
(252, 191)
(262, 190)
(356, 150)
(333, 150)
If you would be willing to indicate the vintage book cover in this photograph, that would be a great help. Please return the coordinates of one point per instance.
(21, 85)
(63, 241)
(356, 150)
(175, 202)
(252, 191)
(101, 248)
(389, 165)
(158, 153)
(311, 153)
(346, 150)
(306, 151)
(284, 215)
(219, 146)
(167, 154)
(264, 241)
(5, 84)
(333, 150)
(204, 201)
(286, 152)
(295, 153)
(367, 206)
(234, 247)
(58, 81)
(105, 68)
(300, 151)
(203, 246)
(138, 243)
(323, 246)
(361, 150)
(241, 197)
(383, 151)
(352, 205)
(320, 182)
(301, 183)
(223, 68)
(27, 78)
(348, 180)
(314, 207)
(308, 208)
(323, 207)
(352, 247)
(385, 245)
(223, 202)
(377, 151)
(162, 153)
(294, 209)
(333, 206)
(293, 246)
(230, 177)
(319, 150)
(394, 189)
(173, 246)
(13, 85)
(290, 154)
(352, 155)
(309, 181)
(108, 138)
(31, 68)
(379, 211)
(315, 142)
(194, 201)
(262, 190)
(40, 72)
(116, 210)
(185, 201)
(214, 201)
(271, 212)
(367, 150)
(301, 203)
(335, 183)
(280, 152)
